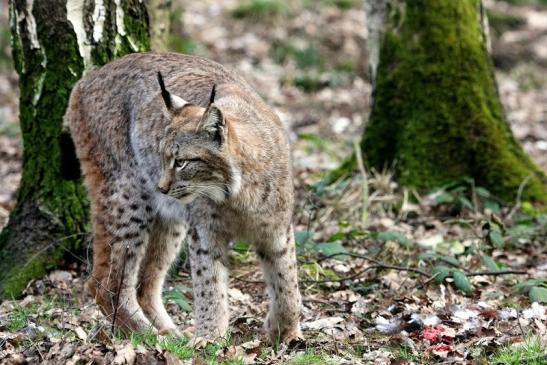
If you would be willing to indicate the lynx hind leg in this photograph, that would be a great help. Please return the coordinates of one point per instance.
(165, 241)
(278, 259)
(120, 220)
(208, 259)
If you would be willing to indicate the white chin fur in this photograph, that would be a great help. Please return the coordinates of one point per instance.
(216, 193)
(187, 199)
(235, 186)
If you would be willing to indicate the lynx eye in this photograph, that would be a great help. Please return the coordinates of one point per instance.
(181, 164)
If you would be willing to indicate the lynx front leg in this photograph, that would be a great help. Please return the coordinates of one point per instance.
(278, 259)
(165, 241)
(210, 283)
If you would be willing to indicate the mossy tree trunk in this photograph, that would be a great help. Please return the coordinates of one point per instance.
(54, 43)
(437, 116)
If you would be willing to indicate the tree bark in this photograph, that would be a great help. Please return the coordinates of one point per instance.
(54, 43)
(436, 114)
(160, 12)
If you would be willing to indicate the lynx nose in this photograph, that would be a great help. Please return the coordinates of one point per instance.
(164, 185)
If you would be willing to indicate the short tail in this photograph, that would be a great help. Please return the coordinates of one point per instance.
(70, 166)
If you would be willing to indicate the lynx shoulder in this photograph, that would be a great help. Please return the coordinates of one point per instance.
(176, 147)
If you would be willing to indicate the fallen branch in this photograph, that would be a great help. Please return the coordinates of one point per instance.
(497, 273)
(381, 265)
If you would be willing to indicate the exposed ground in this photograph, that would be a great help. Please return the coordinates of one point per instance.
(453, 276)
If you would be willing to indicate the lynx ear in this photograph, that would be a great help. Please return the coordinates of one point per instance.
(172, 102)
(214, 124)
(213, 93)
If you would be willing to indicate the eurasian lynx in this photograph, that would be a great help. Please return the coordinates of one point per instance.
(201, 157)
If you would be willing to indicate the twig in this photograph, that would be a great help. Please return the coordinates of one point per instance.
(449, 262)
(430, 279)
(339, 280)
(239, 278)
(379, 264)
(335, 342)
(382, 265)
(117, 300)
(518, 201)
(520, 325)
(361, 166)
(497, 273)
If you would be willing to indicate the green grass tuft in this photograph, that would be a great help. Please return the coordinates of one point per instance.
(340, 4)
(18, 319)
(310, 357)
(260, 9)
(308, 57)
(530, 352)
(501, 22)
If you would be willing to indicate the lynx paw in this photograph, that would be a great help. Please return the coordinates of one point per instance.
(170, 332)
(198, 342)
(282, 332)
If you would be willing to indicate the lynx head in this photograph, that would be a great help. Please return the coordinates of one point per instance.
(194, 152)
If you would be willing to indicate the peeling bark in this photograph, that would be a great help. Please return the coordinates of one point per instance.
(375, 12)
(54, 42)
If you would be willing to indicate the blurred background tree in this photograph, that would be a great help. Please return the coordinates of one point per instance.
(160, 24)
(436, 115)
(53, 44)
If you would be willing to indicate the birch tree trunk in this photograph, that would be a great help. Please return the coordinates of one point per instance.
(54, 43)
(436, 114)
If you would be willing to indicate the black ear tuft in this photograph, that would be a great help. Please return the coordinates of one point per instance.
(212, 97)
(164, 93)
(70, 166)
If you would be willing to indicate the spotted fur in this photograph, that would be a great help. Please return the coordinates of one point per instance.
(162, 164)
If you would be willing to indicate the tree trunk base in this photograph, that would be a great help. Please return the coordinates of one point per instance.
(437, 117)
(32, 243)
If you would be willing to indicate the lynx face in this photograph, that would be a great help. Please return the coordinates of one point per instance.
(193, 156)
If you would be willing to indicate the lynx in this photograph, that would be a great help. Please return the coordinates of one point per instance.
(176, 147)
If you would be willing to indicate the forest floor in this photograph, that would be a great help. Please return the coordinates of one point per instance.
(388, 275)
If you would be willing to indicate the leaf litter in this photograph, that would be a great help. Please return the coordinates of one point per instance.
(359, 306)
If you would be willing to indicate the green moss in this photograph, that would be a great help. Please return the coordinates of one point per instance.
(437, 113)
(16, 279)
(136, 25)
(16, 48)
(136, 29)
